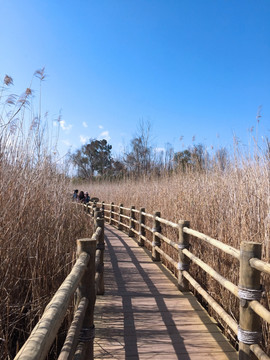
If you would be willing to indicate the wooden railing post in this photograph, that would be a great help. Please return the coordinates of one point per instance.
(120, 217)
(111, 213)
(86, 289)
(94, 208)
(99, 222)
(156, 239)
(131, 222)
(183, 261)
(141, 228)
(249, 331)
(103, 208)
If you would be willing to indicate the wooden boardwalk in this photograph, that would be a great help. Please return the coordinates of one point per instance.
(143, 315)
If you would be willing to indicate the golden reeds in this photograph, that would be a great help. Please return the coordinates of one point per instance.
(231, 205)
(38, 223)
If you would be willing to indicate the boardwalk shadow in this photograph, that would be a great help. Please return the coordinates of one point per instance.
(146, 316)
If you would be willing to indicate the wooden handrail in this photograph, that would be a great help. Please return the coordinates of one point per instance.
(44, 333)
(82, 280)
(182, 267)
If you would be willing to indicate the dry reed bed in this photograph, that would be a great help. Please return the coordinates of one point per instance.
(37, 243)
(38, 224)
(230, 205)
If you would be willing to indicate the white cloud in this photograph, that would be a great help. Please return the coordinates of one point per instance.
(100, 126)
(83, 139)
(84, 124)
(64, 126)
(55, 123)
(159, 150)
(104, 135)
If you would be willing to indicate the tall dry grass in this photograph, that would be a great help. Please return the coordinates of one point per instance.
(38, 223)
(231, 205)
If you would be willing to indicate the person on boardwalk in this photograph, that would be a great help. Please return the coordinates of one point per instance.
(86, 198)
(81, 196)
(75, 195)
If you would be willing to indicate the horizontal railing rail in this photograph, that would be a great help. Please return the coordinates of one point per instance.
(248, 291)
(85, 281)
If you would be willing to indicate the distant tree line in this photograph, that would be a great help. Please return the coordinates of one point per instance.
(94, 160)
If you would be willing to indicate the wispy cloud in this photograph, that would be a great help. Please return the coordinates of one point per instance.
(159, 150)
(104, 135)
(84, 124)
(83, 139)
(64, 126)
(100, 127)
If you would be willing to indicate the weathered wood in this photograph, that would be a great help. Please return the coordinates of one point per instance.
(168, 241)
(167, 222)
(103, 208)
(148, 215)
(119, 217)
(156, 240)
(131, 222)
(249, 278)
(221, 279)
(218, 244)
(260, 310)
(111, 213)
(86, 289)
(94, 206)
(141, 228)
(258, 351)
(218, 309)
(100, 246)
(44, 333)
(144, 316)
(183, 260)
(260, 265)
(69, 347)
(167, 257)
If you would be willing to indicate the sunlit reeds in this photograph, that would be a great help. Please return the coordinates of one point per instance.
(228, 203)
(39, 226)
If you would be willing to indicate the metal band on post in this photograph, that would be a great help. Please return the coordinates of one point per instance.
(87, 334)
(249, 294)
(182, 267)
(249, 337)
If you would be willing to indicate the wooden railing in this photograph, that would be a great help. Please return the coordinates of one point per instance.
(85, 281)
(249, 290)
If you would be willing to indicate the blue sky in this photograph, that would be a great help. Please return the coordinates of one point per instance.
(191, 68)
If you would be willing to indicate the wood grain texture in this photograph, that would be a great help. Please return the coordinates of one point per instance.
(144, 316)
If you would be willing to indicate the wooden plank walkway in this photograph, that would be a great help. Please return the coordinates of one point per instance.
(143, 315)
